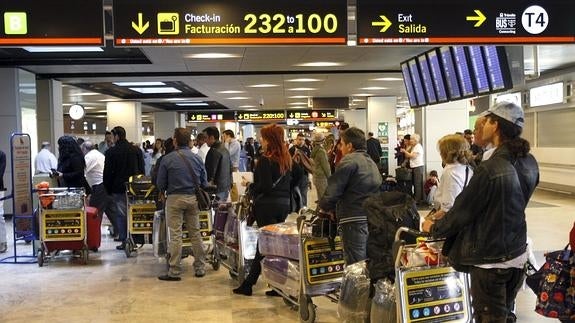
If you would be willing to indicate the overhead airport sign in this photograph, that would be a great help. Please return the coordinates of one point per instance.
(51, 23)
(210, 116)
(419, 22)
(262, 116)
(226, 22)
(313, 115)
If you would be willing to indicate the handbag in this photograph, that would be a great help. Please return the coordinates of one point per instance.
(403, 174)
(553, 285)
(202, 196)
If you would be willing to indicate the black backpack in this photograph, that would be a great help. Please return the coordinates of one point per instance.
(387, 212)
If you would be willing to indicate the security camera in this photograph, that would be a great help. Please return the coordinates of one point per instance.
(262, 103)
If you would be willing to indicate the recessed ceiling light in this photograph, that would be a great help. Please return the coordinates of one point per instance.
(238, 98)
(362, 94)
(319, 64)
(263, 85)
(213, 55)
(192, 104)
(85, 94)
(139, 83)
(300, 107)
(247, 106)
(304, 80)
(388, 79)
(373, 88)
(299, 97)
(302, 89)
(297, 103)
(177, 99)
(358, 100)
(155, 90)
(231, 92)
(57, 49)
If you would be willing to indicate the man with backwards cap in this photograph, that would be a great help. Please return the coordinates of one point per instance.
(45, 160)
(486, 229)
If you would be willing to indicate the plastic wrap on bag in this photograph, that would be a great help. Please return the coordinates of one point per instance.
(159, 234)
(281, 239)
(282, 273)
(383, 306)
(423, 254)
(249, 240)
(354, 303)
(231, 230)
(220, 218)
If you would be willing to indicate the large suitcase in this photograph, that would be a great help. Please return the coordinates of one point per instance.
(94, 234)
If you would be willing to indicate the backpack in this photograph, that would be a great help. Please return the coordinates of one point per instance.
(300, 158)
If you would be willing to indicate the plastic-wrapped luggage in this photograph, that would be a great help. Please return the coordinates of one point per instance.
(159, 234)
(383, 306)
(231, 230)
(281, 239)
(354, 303)
(282, 273)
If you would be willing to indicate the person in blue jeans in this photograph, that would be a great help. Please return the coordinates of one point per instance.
(355, 178)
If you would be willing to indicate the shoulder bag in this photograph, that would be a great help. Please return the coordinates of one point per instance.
(202, 196)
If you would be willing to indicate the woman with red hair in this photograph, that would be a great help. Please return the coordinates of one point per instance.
(271, 190)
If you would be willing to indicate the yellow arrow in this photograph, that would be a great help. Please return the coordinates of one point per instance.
(480, 18)
(139, 27)
(385, 24)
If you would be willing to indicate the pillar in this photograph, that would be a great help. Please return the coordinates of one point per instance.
(383, 110)
(49, 113)
(127, 114)
(165, 123)
(356, 118)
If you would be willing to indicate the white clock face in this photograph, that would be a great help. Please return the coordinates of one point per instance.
(76, 112)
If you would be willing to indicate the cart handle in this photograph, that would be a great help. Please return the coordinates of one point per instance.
(412, 232)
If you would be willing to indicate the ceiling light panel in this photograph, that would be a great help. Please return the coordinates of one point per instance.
(238, 98)
(302, 89)
(155, 90)
(320, 64)
(231, 92)
(192, 104)
(304, 80)
(299, 97)
(373, 88)
(139, 83)
(263, 85)
(213, 55)
(388, 79)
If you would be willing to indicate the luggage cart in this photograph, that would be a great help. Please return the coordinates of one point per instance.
(62, 223)
(428, 293)
(320, 270)
(141, 204)
(236, 241)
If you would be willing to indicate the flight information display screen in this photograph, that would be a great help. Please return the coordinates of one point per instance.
(437, 75)
(426, 79)
(497, 70)
(408, 85)
(478, 67)
(417, 84)
(450, 73)
(463, 74)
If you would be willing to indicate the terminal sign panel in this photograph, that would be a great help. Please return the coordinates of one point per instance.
(464, 22)
(51, 23)
(263, 116)
(311, 114)
(223, 22)
(211, 116)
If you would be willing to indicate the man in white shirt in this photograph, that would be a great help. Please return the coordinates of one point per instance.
(45, 160)
(203, 147)
(94, 173)
(234, 147)
(415, 155)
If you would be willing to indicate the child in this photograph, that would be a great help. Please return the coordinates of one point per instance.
(430, 186)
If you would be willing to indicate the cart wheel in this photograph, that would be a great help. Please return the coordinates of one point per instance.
(306, 309)
(128, 249)
(40, 258)
(216, 264)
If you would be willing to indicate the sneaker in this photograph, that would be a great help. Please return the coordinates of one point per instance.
(200, 272)
(169, 278)
(3, 247)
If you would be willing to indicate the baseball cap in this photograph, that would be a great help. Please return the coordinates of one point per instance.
(508, 111)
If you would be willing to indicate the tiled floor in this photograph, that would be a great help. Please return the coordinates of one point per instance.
(113, 288)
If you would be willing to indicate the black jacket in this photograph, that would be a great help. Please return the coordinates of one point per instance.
(122, 161)
(374, 149)
(72, 168)
(219, 167)
(487, 221)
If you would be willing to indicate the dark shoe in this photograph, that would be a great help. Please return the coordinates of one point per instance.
(121, 246)
(117, 239)
(272, 293)
(169, 278)
(244, 289)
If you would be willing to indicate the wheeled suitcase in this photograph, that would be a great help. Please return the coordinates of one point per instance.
(94, 234)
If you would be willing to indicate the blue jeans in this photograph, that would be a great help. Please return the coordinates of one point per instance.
(354, 239)
(121, 218)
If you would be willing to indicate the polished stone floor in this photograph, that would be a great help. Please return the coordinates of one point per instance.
(113, 288)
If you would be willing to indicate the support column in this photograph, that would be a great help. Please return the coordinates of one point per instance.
(382, 110)
(49, 112)
(356, 118)
(165, 123)
(127, 115)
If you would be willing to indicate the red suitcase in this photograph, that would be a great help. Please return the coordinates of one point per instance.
(94, 225)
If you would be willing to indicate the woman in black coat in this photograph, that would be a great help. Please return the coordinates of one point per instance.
(71, 164)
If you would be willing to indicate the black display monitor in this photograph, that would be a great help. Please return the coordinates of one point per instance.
(437, 75)
(463, 72)
(497, 68)
(426, 79)
(450, 73)
(408, 85)
(417, 83)
(479, 69)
